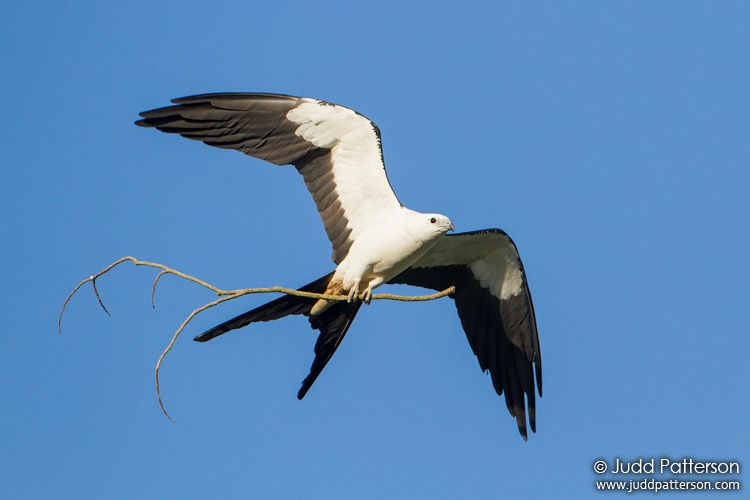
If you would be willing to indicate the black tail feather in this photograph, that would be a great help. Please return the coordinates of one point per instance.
(333, 323)
(276, 309)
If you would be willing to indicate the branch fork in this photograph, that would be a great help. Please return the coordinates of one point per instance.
(223, 296)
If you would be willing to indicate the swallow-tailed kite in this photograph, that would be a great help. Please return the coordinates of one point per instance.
(375, 239)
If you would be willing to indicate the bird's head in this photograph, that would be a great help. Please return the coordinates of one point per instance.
(438, 223)
(426, 227)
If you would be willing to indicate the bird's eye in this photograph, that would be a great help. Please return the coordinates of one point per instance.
(433, 220)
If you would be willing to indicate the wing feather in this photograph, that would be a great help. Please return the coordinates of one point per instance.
(494, 305)
(337, 151)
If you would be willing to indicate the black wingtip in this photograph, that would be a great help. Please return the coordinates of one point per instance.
(522, 430)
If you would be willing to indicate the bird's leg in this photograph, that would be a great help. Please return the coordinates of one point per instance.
(354, 292)
(367, 294)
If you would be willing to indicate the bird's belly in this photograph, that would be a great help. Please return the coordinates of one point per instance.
(379, 260)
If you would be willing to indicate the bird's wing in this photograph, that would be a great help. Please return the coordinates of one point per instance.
(336, 150)
(495, 308)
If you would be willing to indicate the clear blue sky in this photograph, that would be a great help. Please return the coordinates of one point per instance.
(611, 140)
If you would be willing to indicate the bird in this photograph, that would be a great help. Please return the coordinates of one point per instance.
(376, 240)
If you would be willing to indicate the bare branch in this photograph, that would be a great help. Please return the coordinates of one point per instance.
(174, 339)
(224, 296)
(153, 288)
(98, 297)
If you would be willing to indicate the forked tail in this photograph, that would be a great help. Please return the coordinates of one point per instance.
(332, 324)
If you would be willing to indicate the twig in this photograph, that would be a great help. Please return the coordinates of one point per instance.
(153, 288)
(98, 297)
(224, 296)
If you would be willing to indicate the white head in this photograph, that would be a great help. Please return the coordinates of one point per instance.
(429, 226)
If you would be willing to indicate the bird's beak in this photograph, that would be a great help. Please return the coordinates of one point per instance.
(450, 227)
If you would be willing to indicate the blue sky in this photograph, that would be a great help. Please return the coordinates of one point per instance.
(610, 140)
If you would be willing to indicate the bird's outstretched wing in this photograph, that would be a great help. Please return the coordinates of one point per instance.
(337, 151)
(495, 308)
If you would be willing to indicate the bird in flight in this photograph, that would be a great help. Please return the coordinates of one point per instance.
(376, 240)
